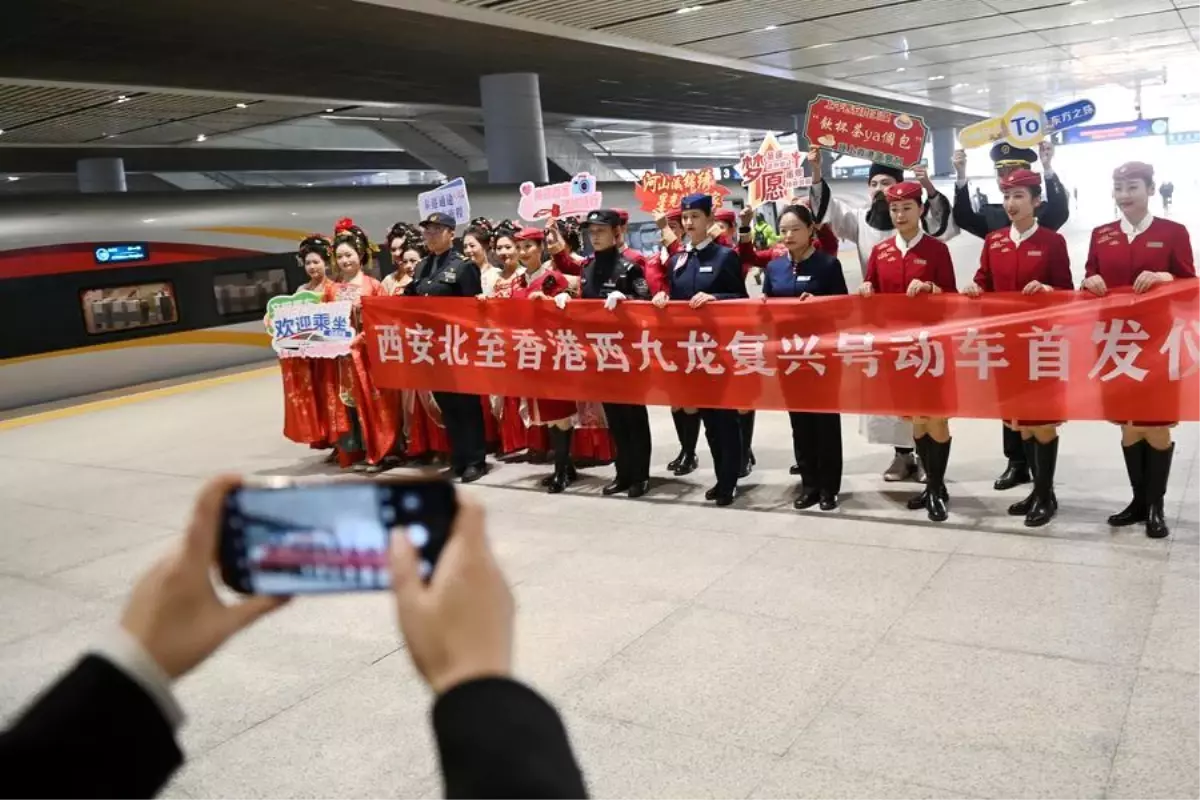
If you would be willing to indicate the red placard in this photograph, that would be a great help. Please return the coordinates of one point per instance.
(876, 134)
(1057, 355)
(657, 191)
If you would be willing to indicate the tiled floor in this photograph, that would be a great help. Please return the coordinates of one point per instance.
(745, 652)
(694, 652)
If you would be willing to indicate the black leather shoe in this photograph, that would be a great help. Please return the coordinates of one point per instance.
(677, 461)
(639, 489)
(828, 501)
(1014, 474)
(936, 507)
(472, 473)
(1133, 514)
(711, 494)
(1156, 523)
(1021, 507)
(689, 465)
(559, 482)
(747, 468)
(1041, 512)
(917, 502)
(807, 500)
(616, 487)
(794, 469)
(726, 498)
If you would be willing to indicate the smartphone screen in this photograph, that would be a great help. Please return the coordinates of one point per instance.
(329, 537)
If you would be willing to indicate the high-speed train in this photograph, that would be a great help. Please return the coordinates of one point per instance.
(109, 291)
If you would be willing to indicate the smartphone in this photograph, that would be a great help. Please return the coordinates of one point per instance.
(285, 538)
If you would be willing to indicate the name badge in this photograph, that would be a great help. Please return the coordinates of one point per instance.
(610, 285)
(1154, 244)
(1035, 252)
(803, 278)
(920, 262)
(706, 269)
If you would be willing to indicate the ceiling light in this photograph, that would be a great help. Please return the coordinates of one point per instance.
(241, 105)
(1, 132)
(770, 27)
(201, 138)
(984, 90)
(329, 111)
(937, 77)
(960, 85)
(381, 174)
(819, 46)
(688, 9)
(122, 99)
(12, 178)
(899, 69)
(308, 184)
(148, 220)
(1078, 2)
(1103, 21)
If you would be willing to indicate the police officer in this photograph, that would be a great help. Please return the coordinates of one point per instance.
(707, 271)
(1052, 214)
(609, 276)
(444, 273)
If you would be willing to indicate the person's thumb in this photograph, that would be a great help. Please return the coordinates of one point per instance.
(406, 576)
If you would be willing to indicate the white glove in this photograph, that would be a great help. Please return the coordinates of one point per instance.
(561, 300)
(613, 298)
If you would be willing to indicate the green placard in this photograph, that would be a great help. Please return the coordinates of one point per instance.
(302, 297)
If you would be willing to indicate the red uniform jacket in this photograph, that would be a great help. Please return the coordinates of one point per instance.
(1006, 267)
(1163, 247)
(568, 263)
(929, 260)
(549, 282)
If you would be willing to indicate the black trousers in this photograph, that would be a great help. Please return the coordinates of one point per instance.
(630, 428)
(724, 435)
(462, 415)
(817, 439)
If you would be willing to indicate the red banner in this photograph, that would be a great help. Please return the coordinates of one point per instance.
(657, 191)
(876, 134)
(1052, 356)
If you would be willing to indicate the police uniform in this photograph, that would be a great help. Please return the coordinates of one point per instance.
(1051, 214)
(816, 437)
(716, 270)
(1119, 252)
(449, 275)
(606, 272)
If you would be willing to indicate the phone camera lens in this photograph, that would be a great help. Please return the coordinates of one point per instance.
(418, 535)
(412, 502)
(387, 514)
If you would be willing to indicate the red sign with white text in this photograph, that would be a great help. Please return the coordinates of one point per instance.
(876, 134)
(657, 191)
(1052, 356)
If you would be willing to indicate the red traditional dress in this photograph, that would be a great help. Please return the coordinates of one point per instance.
(377, 410)
(551, 283)
(422, 426)
(306, 417)
(513, 418)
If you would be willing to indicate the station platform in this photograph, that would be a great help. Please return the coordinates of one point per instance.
(753, 651)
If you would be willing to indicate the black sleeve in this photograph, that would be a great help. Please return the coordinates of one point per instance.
(1057, 209)
(819, 208)
(95, 733)
(418, 275)
(837, 278)
(498, 738)
(469, 280)
(633, 283)
(965, 217)
(942, 204)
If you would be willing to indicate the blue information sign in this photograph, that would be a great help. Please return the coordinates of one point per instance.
(117, 253)
(1115, 131)
(1081, 112)
(1183, 137)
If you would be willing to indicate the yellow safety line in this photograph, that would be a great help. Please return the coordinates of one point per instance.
(294, 235)
(244, 338)
(115, 402)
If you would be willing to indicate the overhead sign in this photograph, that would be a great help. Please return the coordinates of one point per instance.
(573, 198)
(449, 198)
(1115, 131)
(878, 134)
(728, 173)
(1183, 137)
(118, 253)
(1023, 125)
(1081, 112)
(772, 173)
(311, 330)
(657, 191)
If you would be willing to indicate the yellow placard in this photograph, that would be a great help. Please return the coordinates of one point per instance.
(1025, 124)
(981, 133)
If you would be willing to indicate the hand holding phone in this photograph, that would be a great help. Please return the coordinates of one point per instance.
(330, 536)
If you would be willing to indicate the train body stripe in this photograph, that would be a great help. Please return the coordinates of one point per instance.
(237, 338)
(293, 235)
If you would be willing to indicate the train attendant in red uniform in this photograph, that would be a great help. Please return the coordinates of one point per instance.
(1029, 258)
(542, 282)
(1141, 251)
(373, 411)
(915, 263)
(308, 409)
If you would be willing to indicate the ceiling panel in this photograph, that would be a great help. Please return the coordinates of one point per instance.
(811, 57)
(946, 33)
(787, 37)
(918, 14)
(982, 47)
(21, 105)
(1143, 23)
(1066, 15)
(873, 65)
(582, 14)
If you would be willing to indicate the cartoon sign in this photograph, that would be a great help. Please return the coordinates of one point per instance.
(449, 198)
(772, 173)
(1023, 125)
(877, 134)
(302, 297)
(311, 330)
(657, 191)
(1080, 112)
(574, 198)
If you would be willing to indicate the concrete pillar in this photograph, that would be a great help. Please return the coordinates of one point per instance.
(666, 167)
(944, 145)
(100, 175)
(512, 128)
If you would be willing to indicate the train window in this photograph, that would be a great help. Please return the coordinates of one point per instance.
(122, 308)
(643, 236)
(245, 292)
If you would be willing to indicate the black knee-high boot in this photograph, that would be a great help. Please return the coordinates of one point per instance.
(1158, 471)
(1135, 467)
(1021, 507)
(921, 445)
(1045, 504)
(935, 484)
(564, 470)
(746, 423)
(688, 427)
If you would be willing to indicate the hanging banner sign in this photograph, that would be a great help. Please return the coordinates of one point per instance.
(1113, 131)
(1081, 112)
(449, 198)
(1058, 355)
(657, 191)
(1023, 125)
(311, 330)
(573, 198)
(876, 134)
(772, 173)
